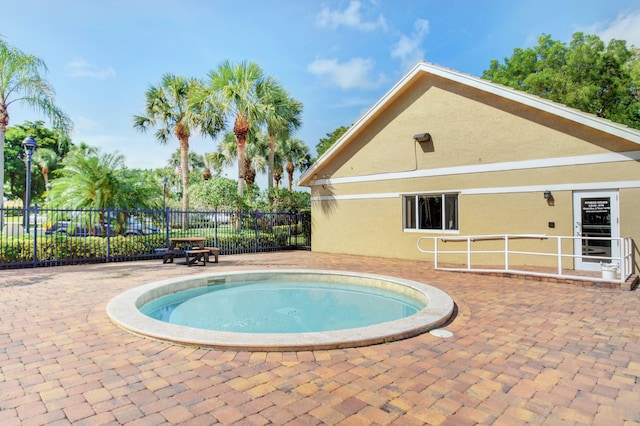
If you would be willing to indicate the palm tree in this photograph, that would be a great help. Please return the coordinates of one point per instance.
(255, 159)
(169, 105)
(282, 115)
(237, 88)
(225, 155)
(47, 159)
(296, 155)
(22, 80)
(256, 156)
(196, 161)
(92, 180)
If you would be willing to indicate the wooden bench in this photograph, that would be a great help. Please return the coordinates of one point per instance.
(195, 255)
(215, 252)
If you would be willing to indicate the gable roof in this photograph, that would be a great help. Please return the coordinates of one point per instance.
(524, 98)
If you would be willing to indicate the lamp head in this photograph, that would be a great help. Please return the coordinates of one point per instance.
(29, 144)
(422, 137)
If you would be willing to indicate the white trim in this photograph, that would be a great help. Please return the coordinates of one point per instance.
(579, 160)
(590, 186)
(355, 196)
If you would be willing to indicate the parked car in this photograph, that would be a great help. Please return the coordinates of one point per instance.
(74, 228)
(135, 227)
(69, 227)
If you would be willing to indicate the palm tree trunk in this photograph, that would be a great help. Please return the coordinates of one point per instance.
(290, 169)
(4, 121)
(241, 149)
(184, 164)
(45, 175)
(272, 154)
(241, 129)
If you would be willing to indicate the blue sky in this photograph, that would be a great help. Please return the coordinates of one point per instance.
(337, 57)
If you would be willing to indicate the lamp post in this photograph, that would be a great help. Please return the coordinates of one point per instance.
(29, 144)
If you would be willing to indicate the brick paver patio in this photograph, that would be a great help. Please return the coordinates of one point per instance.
(522, 352)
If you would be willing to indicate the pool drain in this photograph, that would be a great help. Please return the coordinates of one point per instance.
(441, 332)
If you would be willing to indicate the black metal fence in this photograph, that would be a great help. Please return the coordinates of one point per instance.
(50, 237)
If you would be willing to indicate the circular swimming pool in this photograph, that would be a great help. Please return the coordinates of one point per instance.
(281, 310)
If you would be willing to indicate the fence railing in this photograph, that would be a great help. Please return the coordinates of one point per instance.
(66, 236)
(512, 253)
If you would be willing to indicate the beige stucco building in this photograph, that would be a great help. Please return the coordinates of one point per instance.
(444, 154)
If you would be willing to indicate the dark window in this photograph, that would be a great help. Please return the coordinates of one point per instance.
(431, 211)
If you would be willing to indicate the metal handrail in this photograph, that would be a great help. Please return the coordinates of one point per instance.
(624, 262)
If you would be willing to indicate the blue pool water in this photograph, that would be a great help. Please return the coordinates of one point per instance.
(281, 307)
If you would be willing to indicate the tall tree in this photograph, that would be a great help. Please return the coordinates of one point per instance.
(296, 155)
(169, 105)
(330, 138)
(587, 75)
(255, 159)
(22, 81)
(196, 161)
(238, 89)
(225, 155)
(283, 116)
(257, 154)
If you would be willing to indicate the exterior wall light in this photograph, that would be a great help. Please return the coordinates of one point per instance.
(547, 195)
(422, 137)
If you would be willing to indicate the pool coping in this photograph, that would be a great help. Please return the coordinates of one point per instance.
(123, 311)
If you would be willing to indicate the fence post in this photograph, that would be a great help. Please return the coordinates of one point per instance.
(35, 234)
(166, 226)
(215, 227)
(108, 229)
(255, 216)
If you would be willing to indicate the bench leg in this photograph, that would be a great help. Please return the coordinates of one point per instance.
(203, 257)
(215, 254)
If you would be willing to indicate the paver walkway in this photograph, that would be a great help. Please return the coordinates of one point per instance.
(523, 352)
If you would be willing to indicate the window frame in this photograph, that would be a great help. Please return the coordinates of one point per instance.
(412, 200)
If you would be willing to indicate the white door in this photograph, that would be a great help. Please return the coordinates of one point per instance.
(595, 214)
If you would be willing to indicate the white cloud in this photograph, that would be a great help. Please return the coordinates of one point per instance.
(408, 49)
(353, 74)
(351, 17)
(84, 124)
(82, 68)
(625, 27)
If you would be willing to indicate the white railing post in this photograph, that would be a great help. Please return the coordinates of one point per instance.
(629, 256)
(625, 260)
(435, 249)
(506, 252)
(559, 255)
